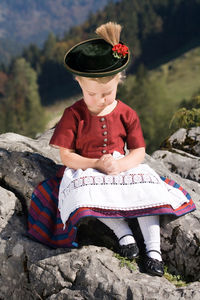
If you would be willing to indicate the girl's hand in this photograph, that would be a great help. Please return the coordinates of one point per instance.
(108, 165)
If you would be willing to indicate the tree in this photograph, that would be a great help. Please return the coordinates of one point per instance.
(22, 111)
(49, 46)
(3, 80)
(32, 54)
(188, 115)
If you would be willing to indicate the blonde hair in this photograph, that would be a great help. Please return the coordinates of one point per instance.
(119, 76)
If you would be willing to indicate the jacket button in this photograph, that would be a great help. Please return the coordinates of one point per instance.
(103, 151)
(102, 119)
(104, 126)
(104, 145)
(105, 140)
(105, 133)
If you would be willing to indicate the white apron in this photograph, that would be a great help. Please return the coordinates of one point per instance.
(138, 188)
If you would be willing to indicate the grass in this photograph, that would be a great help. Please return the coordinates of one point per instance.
(55, 111)
(181, 76)
(176, 280)
(125, 262)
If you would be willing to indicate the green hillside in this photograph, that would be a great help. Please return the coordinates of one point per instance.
(181, 76)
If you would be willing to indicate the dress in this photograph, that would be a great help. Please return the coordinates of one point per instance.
(92, 136)
(130, 194)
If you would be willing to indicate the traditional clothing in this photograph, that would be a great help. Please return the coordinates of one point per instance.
(92, 136)
(134, 193)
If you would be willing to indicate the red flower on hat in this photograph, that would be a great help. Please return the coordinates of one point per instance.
(120, 51)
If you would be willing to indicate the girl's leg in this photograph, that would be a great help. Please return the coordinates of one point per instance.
(150, 227)
(121, 230)
(127, 245)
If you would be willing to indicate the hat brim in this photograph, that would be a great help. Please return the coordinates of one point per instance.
(94, 58)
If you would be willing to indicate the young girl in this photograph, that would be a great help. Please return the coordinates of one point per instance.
(99, 179)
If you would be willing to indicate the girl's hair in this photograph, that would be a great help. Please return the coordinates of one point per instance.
(120, 76)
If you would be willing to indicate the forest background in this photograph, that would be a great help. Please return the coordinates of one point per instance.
(163, 79)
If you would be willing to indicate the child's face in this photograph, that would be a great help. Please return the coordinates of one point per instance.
(97, 95)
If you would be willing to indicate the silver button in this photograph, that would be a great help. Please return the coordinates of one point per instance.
(102, 119)
(104, 145)
(105, 140)
(103, 151)
(104, 126)
(105, 133)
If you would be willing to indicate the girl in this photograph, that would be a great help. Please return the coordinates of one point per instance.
(99, 179)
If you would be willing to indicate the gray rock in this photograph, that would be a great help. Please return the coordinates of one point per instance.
(19, 143)
(22, 171)
(162, 169)
(187, 140)
(178, 137)
(97, 274)
(30, 270)
(180, 153)
(87, 273)
(7, 208)
(180, 162)
(12, 276)
(24, 162)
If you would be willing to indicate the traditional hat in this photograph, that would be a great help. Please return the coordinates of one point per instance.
(97, 57)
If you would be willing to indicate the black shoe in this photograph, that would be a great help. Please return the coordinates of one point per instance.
(129, 251)
(153, 266)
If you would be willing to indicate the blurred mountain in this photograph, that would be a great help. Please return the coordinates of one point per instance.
(26, 21)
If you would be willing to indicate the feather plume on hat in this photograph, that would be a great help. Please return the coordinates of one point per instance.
(99, 57)
(110, 32)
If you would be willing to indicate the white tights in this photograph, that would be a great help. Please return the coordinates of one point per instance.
(150, 229)
(120, 228)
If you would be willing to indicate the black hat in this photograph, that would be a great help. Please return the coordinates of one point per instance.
(97, 58)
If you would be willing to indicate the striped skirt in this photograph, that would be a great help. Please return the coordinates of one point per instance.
(45, 225)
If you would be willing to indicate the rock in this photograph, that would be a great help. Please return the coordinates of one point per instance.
(187, 140)
(7, 208)
(30, 270)
(180, 153)
(187, 166)
(162, 169)
(184, 164)
(19, 143)
(22, 171)
(97, 274)
(12, 276)
(24, 162)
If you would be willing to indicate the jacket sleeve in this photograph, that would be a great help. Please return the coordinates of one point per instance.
(135, 137)
(65, 132)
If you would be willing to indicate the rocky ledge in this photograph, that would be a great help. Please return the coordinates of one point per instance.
(30, 270)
